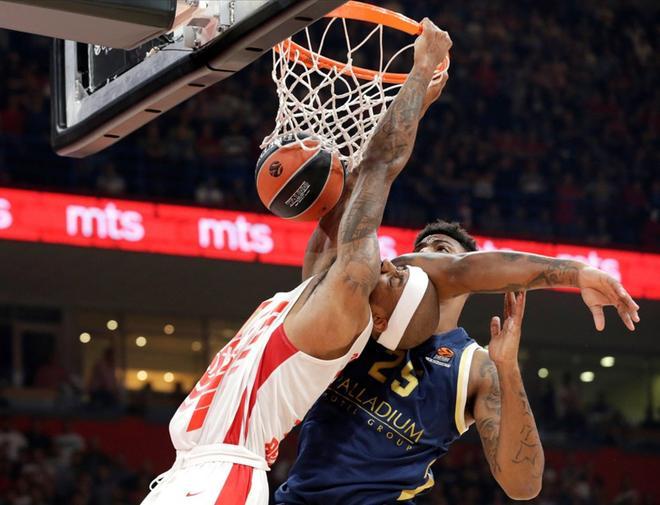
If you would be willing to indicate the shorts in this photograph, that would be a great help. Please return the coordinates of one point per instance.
(211, 483)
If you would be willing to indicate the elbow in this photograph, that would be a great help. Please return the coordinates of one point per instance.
(521, 491)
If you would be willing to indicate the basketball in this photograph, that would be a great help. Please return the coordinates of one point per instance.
(299, 183)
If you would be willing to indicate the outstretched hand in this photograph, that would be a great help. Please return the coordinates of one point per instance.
(505, 339)
(599, 289)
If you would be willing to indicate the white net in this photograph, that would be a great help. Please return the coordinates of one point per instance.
(336, 103)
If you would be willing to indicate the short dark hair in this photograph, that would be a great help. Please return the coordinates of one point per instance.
(453, 230)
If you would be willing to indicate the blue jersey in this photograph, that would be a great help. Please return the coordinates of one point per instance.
(373, 435)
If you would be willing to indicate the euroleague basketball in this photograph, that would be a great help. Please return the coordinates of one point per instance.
(299, 183)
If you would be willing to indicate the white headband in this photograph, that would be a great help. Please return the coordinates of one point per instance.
(412, 295)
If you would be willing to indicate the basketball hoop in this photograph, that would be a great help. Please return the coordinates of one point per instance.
(338, 102)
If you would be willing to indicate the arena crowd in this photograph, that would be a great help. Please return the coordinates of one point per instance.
(549, 128)
(64, 468)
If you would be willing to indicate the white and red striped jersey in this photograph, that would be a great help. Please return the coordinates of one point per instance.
(258, 387)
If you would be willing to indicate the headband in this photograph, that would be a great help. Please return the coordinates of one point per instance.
(412, 295)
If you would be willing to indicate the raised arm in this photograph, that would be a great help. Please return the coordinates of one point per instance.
(321, 249)
(501, 410)
(327, 326)
(497, 272)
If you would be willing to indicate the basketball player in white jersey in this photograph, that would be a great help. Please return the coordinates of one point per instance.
(261, 384)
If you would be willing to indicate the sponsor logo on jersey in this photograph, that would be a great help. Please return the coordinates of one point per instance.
(382, 416)
(443, 356)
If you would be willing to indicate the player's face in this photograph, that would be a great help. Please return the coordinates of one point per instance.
(440, 243)
(387, 292)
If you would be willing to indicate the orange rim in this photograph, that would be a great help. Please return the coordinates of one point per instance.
(359, 11)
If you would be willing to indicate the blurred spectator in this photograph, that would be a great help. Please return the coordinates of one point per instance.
(68, 443)
(51, 375)
(12, 117)
(569, 405)
(142, 400)
(569, 197)
(153, 146)
(109, 181)
(12, 440)
(208, 193)
(37, 438)
(208, 147)
(103, 388)
(179, 393)
(650, 235)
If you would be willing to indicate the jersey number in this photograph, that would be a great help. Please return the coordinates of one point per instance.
(402, 386)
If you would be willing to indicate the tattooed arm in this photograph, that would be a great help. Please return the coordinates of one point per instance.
(497, 272)
(338, 309)
(321, 249)
(501, 410)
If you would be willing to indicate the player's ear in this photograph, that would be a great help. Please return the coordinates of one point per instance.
(380, 323)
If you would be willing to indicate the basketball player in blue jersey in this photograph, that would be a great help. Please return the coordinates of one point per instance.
(373, 435)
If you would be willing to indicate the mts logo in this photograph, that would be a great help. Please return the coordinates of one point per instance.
(104, 222)
(6, 218)
(236, 235)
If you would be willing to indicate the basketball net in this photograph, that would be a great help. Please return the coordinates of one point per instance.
(328, 101)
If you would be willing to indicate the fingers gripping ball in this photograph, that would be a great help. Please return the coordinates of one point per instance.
(299, 183)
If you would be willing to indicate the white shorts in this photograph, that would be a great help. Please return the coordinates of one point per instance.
(208, 482)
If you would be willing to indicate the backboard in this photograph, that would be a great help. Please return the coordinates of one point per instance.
(100, 95)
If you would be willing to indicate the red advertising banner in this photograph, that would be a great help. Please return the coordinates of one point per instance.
(192, 231)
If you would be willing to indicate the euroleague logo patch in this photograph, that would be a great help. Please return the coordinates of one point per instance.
(275, 169)
(442, 356)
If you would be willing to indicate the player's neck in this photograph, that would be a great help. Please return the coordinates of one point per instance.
(450, 313)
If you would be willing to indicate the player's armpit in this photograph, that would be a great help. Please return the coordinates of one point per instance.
(319, 255)
(321, 251)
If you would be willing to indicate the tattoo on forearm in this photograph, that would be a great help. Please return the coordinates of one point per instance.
(557, 272)
(361, 220)
(489, 426)
(489, 430)
(388, 149)
(529, 451)
(395, 133)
